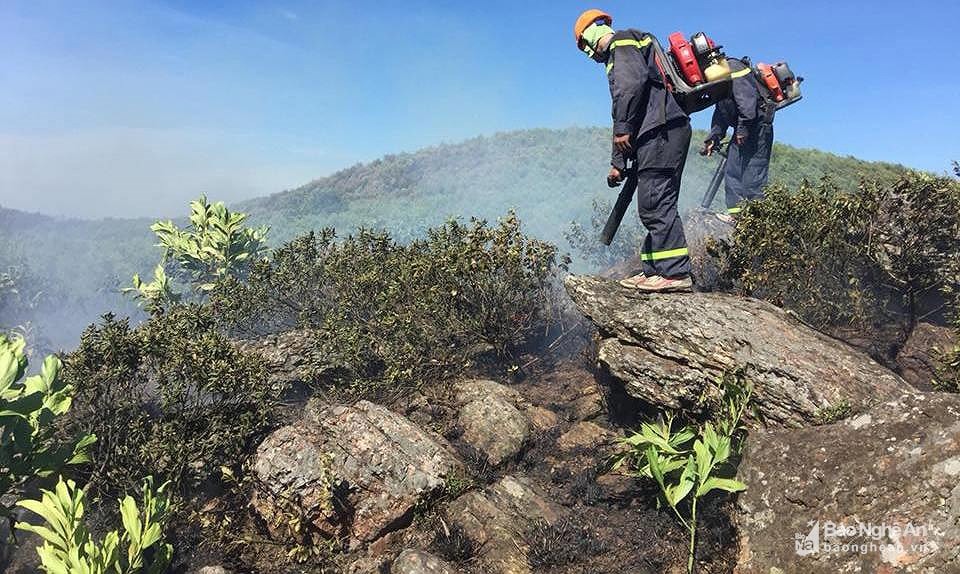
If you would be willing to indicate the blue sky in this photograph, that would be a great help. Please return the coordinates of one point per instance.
(132, 107)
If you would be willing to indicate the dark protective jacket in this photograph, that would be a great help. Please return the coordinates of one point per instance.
(641, 102)
(746, 109)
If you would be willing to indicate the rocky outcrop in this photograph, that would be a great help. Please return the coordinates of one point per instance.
(886, 483)
(669, 351)
(495, 519)
(358, 470)
(419, 562)
(490, 419)
(919, 358)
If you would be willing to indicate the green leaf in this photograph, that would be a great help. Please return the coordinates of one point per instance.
(725, 484)
(704, 460)
(52, 562)
(131, 518)
(653, 461)
(9, 369)
(685, 485)
(43, 532)
(151, 535)
(50, 371)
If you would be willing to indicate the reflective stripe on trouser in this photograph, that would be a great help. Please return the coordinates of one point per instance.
(748, 167)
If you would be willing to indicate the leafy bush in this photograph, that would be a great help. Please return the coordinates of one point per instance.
(29, 447)
(386, 314)
(218, 246)
(172, 399)
(21, 297)
(156, 295)
(69, 548)
(888, 252)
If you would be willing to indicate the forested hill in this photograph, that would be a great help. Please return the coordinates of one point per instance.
(550, 177)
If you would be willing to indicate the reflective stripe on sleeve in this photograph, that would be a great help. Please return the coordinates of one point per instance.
(646, 41)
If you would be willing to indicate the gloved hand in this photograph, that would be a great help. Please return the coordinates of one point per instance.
(614, 177)
(622, 142)
(708, 147)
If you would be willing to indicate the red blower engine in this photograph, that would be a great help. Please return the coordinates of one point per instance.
(686, 60)
(696, 71)
(783, 86)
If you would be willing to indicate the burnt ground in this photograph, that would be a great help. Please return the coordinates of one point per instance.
(610, 522)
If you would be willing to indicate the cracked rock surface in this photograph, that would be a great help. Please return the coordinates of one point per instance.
(385, 464)
(896, 466)
(496, 519)
(491, 419)
(669, 350)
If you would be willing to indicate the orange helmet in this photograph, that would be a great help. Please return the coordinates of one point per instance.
(586, 20)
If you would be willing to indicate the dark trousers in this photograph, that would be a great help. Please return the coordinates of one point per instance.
(748, 166)
(661, 155)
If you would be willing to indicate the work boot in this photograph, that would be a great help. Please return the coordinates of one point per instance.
(634, 282)
(658, 284)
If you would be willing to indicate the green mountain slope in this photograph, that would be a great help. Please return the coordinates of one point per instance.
(550, 177)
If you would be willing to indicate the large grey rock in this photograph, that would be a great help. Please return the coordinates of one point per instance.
(419, 562)
(669, 351)
(920, 356)
(387, 465)
(894, 466)
(496, 518)
(490, 419)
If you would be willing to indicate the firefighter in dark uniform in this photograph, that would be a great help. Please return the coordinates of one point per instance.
(649, 127)
(750, 113)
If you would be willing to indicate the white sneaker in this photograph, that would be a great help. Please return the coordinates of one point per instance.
(634, 282)
(658, 284)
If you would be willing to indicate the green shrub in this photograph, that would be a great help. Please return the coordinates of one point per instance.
(29, 446)
(217, 246)
(172, 399)
(68, 547)
(21, 297)
(387, 314)
(886, 253)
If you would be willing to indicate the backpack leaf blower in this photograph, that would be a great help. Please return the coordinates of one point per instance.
(781, 84)
(695, 71)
